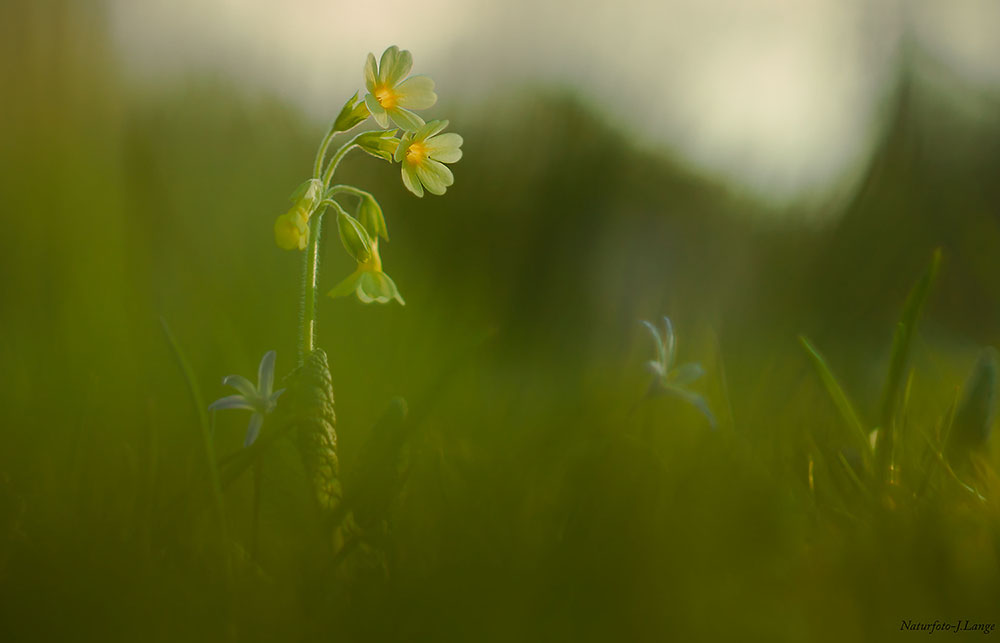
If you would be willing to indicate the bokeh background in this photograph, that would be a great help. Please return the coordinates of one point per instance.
(754, 170)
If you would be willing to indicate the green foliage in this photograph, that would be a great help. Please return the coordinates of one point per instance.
(525, 502)
(858, 435)
(973, 420)
(898, 359)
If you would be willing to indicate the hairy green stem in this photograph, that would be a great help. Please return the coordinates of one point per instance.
(337, 158)
(310, 276)
(310, 269)
(321, 152)
(347, 189)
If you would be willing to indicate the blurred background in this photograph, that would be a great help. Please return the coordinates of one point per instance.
(754, 170)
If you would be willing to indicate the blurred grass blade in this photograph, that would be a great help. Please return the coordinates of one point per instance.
(851, 473)
(839, 397)
(901, 342)
(374, 479)
(203, 423)
(974, 417)
(943, 462)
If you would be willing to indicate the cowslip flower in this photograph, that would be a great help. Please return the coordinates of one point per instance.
(674, 381)
(423, 155)
(388, 98)
(260, 399)
(368, 281)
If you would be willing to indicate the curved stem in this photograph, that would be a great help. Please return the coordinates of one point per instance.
(337, 158)
(330, 203)
(321, 152)
(347, 189)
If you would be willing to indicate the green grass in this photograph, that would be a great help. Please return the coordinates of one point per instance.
(525, 490)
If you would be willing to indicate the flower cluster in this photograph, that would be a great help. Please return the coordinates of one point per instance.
(421, 148)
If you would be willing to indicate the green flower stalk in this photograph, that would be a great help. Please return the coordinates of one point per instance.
(420, 149)
(306, 404)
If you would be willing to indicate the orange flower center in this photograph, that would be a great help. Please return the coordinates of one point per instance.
(386, 97)
(416, 153)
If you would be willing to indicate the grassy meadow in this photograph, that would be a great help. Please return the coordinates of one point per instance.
(531, 490)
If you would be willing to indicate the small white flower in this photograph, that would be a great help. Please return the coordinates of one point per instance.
(260, 399)
(673, 381)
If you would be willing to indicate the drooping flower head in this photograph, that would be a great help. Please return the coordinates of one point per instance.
(291, 229)
(423, 155)
(260, 399)
(368, 281)
(391, 97)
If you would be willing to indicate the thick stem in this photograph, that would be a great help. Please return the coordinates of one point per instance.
(310, 276)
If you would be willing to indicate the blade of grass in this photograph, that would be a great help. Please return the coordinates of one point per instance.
(898, 359)
(839, 397)
(951, 472)
(942, 429)
(203, 423)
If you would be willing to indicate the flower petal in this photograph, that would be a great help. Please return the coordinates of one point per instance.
(370, 73)
(435, 176)
(404, 144)
(670, 341)
(416, 92)
(388, 287)
(378, 112)
(685, 374)
(386, 61)
(231, 402)
(661, 353)
(253, 429)
(394, 66)
(405, 119)
(429, 130)
(377, 287)
(368, 290)
(445, 147)
(410, 179)
(265, 375)
(241, 384)
(694, 400)
(347, 286)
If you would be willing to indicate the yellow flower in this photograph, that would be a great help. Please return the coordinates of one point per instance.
(291, 230)
(368, 282)
(423, 154)
(388, 98)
